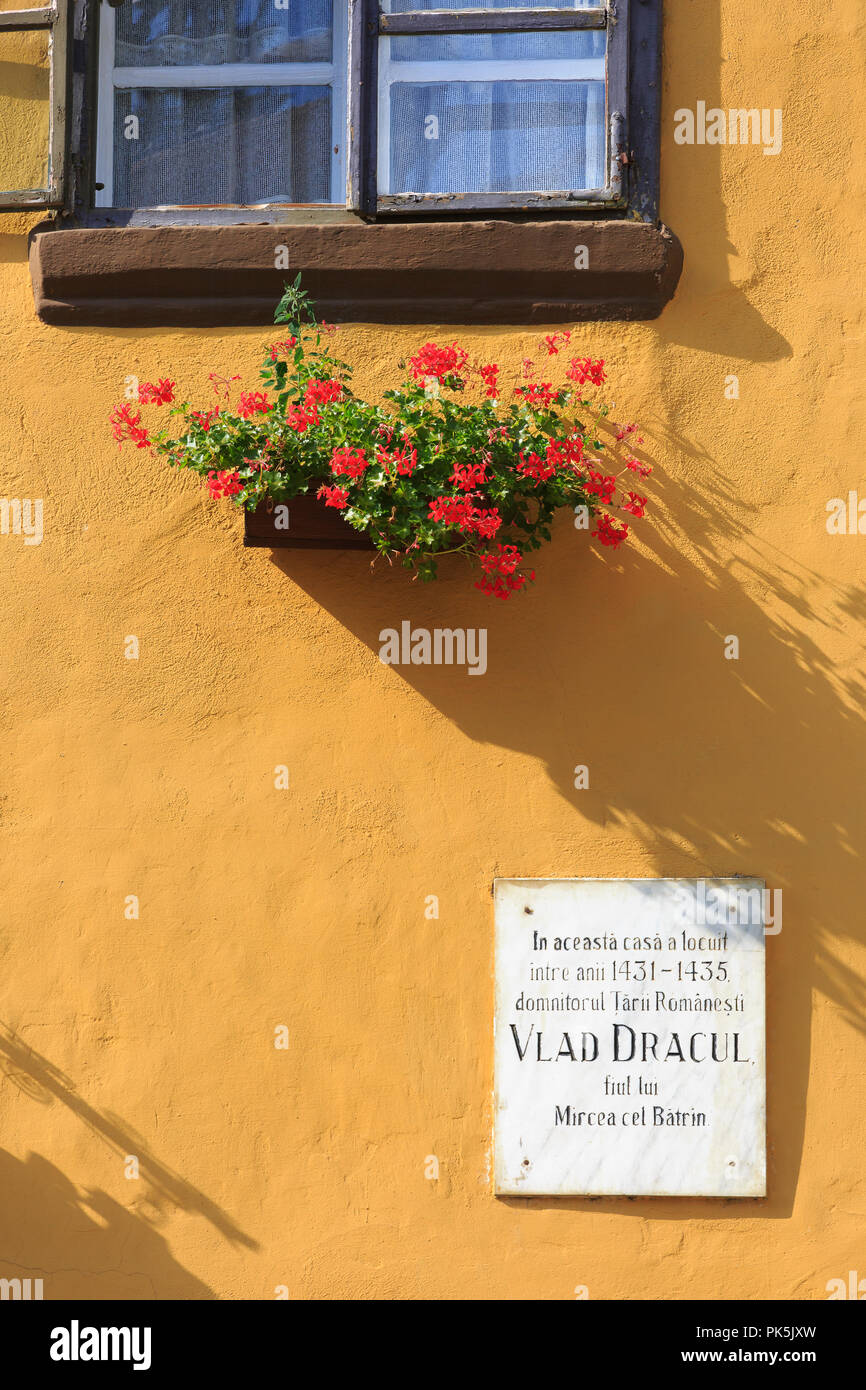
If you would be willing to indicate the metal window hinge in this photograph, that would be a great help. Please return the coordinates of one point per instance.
(618, 155)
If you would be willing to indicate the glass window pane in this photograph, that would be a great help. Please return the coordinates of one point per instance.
(222, 145)
(573, 44)
(24, 110)
(191, 33)
(493, 113)
(496, 137)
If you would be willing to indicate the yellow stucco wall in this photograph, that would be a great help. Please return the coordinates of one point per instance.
(154, 1038)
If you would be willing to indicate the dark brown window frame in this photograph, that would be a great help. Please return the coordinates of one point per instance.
(510, 264)
(369, 25)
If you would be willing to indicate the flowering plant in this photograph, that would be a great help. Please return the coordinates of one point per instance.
(448, 461)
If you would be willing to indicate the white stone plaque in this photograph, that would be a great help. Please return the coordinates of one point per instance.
(630, 1037)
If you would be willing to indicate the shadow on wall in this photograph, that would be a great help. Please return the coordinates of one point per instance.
(48, 1229)
(13, 247)
(81, 1246)
(692, 201)
(714, 766)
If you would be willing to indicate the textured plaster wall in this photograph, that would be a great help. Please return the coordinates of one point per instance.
(306, 1168)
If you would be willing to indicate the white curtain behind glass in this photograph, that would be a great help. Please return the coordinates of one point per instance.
(537, 124)
(222, 145)
(498, 137)
(186, 33)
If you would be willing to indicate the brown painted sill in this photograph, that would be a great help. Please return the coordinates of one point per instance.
(433, 272)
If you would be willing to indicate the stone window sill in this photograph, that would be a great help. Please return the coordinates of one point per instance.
(508, 272)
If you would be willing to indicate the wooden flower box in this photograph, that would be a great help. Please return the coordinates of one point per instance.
(311, 526)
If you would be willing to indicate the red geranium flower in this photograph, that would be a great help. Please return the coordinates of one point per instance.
(600, 485)
(486, 523)
(352, 463)
(253, 403)
(610, 532)
(160, 394)
(125, 425)
(535, 467)
(538, 394)
(556, 455)
(438, 362)
(323, 392)
(453, 511)
(460, 512)
(297, 418)
(469, 476)
(488, 375)
(277, 349)
(502, 576)
(583, 370)
(573, 449)
(223, 483)
(643, 470)
(405, 459)
(334, 496)
(553, 340)
(206, 418)
(222, 385)
(634, 504)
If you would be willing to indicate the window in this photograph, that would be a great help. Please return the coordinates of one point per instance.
(34, 49)
(491, 105)
(418, 161)
(496, 105)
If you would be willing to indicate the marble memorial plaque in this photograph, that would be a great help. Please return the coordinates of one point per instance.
(629, 1037)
